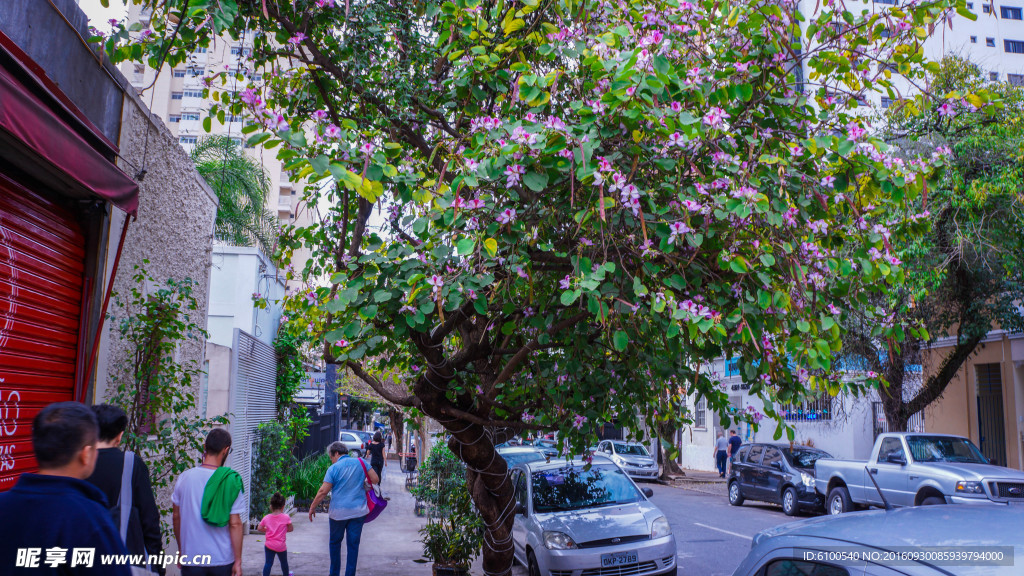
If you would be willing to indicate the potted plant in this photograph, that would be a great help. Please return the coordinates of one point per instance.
(454, 532)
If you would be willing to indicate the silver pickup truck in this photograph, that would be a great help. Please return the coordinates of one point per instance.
(912, 469)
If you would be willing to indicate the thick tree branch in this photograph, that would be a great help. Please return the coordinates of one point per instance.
(381, 388)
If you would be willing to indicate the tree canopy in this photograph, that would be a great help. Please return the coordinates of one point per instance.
(584, 203)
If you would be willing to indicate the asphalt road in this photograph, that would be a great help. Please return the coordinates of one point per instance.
(713, 537)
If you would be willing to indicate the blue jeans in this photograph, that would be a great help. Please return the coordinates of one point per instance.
(720, 459)
(270, 554)
(353, 528)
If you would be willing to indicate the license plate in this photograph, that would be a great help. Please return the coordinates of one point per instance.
(619, 559)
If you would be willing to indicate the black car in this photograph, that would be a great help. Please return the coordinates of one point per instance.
(776, 473)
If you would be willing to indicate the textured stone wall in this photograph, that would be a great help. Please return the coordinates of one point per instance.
(174, 229)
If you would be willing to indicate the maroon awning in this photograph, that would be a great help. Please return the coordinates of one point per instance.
(26, 119)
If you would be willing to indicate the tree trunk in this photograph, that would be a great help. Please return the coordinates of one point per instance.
(395, 416)
(669, 467)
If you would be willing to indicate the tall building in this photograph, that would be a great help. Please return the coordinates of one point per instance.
(176, 96)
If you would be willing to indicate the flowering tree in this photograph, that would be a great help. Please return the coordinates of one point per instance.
(584, 203)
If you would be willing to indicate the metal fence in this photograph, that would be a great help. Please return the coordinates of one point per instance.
(881, 425)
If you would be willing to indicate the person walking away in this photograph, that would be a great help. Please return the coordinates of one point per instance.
(388, 441)
(721, 453)
(346, 482)
(276, 526)
(734, 447)
(377, 461)
(55, 521)
(208, 503)
(142, 535)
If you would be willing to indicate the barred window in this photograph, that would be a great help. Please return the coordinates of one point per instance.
(188, 139)
(1015, 79)
(1013, 46)
(179, 73)
(810, 410)
(1011, 13)
(193, 93)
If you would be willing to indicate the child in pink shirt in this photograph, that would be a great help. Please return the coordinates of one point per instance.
(276, 525)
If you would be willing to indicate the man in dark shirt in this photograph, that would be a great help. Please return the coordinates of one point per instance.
(734, 446)
(54, 521)
(143, 535)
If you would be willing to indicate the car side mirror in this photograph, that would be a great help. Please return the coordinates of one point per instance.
(520, 509)
(648, 492)
(896, 458)
(776, 465)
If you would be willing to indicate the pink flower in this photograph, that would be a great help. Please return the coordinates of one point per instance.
(297, 39)
(322, 3)
(676, 139)
(579, 421)
(565, 283)
(367, 148)
(319, 115)
(528, 418)
(506, 216)
(677, 230)
(947, 109)
(311, 298)
(827, 181)
(436, 281)
(277, 122)
(332, 132)
(250, 97)
(715, 117)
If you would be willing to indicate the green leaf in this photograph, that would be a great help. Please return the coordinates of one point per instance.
(845, 147)
(570, 296)
(745, 92)
(207, 123)
(620, 340)
(465, 246)
(536, 181)
(320, 164)
(491, 245)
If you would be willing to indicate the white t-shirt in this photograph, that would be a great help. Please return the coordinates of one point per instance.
(197, 536)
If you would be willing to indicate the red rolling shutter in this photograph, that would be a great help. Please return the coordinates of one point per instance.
(42, 255)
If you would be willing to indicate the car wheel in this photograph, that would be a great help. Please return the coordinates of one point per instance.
(735, 497)
(838, 501)
(533, 568)
(790, 503)
(932, 501)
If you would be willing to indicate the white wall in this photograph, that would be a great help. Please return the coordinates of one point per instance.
(236, 273)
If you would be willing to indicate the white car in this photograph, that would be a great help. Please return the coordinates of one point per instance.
(631, 457)
(571, 520)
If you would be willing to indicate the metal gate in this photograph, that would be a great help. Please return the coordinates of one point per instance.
(42, 258)
(253, 392)
(991, 427)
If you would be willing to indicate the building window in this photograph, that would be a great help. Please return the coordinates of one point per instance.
(974, 39)
(993, 76)
(188, 139)
(174, 118)
(1010, 13)
(811, 410)
(193, 71)
(700, 414)
(178, 73)
(990, 42)
(986, 8)
(175, 95)
(193, 93)
(970, 5)
(190, 116)
(236, 50)
(1013, 46)
(886, 102)
(139, 69)
(891, 2)
(201, 50)
(1015, 79)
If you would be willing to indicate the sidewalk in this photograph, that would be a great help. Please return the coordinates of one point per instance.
(388, 547)
(701, 481)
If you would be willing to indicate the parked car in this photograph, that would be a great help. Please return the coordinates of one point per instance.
(914, 469)
(514, 455)
(353, 441)
(827, 545)
(545, 445)
(575, 519)
(776, 473)
(632, 457)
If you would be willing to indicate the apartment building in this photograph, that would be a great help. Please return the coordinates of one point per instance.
(176, 96)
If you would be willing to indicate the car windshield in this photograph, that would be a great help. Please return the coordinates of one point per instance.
(517, 457)
(944, 449)
(630, 450)
(802, 458)
(573, 488)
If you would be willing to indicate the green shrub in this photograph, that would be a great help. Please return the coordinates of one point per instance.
(271, 462)
(454, 531)
(308, 475)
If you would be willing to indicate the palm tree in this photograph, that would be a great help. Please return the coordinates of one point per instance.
(242, 186)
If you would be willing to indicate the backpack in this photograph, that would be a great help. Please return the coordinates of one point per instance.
(125, 514)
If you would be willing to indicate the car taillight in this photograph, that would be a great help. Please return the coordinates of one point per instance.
(362, 446)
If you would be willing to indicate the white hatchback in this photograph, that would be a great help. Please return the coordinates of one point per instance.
(574, 521)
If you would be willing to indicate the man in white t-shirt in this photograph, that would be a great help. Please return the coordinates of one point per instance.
(194, 535)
